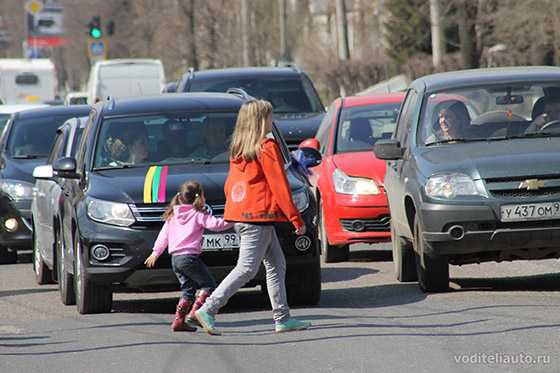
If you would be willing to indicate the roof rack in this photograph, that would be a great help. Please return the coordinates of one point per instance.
(240, 92)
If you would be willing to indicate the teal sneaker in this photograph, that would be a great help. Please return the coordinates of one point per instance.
(207, 322)
(292, 325)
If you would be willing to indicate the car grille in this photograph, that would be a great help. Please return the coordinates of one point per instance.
(381, 224)
(152, 212)
(510, 187)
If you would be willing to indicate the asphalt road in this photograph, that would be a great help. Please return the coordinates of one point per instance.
(497, 318)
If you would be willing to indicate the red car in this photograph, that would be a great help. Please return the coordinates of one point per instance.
(348, 183)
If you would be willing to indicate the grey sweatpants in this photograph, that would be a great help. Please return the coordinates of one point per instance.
(258, 244)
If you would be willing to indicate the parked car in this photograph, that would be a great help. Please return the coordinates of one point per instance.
(47, 217)
(348, 183)
(472, 171)
(25, 143)
(114, 203)
(124, 78)
(76, 98)
(297, 108)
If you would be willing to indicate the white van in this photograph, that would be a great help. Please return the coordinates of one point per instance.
(24, 81)
(123, 78)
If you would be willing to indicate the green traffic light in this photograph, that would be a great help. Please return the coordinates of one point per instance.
(95, 33)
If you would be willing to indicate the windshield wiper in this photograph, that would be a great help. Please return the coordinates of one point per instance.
(120, 166)
(533, 135)
(28, 156)
(448, 141)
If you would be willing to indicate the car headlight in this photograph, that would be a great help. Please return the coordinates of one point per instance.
(110, 212)
(450, 185)
(345, 184)
(301, 199)
(17, 190)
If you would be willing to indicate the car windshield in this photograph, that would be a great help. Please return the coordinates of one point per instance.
(286, 95)
(173, 138)
(361, 126)
(3, 120)
(494, 113)
(33, 138)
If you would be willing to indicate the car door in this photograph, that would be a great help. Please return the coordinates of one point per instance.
(395, 178)
(45, 200)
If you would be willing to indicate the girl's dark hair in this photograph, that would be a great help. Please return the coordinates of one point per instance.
(190, 193)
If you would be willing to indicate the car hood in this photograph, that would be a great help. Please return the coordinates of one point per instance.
(496, 159)
(298, 127)
(127, 185)
(361, 164)
(20, 169)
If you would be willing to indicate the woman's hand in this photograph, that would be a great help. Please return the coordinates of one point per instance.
(151, 261)
(301, 230)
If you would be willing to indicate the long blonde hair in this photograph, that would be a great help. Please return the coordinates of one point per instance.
(251, 128)
(191, 193)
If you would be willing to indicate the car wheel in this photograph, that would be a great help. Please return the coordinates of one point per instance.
(403, 258)
(65, 279)
(43, 274)
(432, 270)
(304, 285)
(7, 256)
(90, 297)
(330, 253)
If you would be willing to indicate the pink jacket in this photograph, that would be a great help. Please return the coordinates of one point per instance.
(182, 233)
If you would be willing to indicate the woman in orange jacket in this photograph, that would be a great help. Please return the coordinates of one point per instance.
(257, 195)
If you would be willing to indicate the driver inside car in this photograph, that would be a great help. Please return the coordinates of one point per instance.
(551, 114)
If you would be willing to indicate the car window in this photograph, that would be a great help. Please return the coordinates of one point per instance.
(82, 148)
(359, 127)
(406, 117)
(33, 137)
(164, 139)
(497, 112)
(58, 148)
(325, 129)
(285, 95)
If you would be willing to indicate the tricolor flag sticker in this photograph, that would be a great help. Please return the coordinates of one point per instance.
(155, 184)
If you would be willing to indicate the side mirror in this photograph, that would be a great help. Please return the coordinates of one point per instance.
(307, 157)
(44, 172)
(310, 143)
(66, 168)
(388, 149)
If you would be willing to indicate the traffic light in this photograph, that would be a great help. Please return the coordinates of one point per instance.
(110, 27)
(95, 27)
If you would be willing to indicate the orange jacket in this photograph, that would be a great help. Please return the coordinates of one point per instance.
(258, 191)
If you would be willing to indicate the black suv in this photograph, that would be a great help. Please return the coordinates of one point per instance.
(114, 202)
(472, 172)
(297, 108)
(25, 143)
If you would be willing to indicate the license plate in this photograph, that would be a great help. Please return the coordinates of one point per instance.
(531, 211)
(222, 241)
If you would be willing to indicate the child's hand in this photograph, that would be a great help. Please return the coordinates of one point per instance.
(151, 261)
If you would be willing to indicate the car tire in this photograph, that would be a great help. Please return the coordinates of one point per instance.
(330, 253)
(43, 274)
(403, 258)
(65, 279)
(7, 257)
(304, 285)
(432, 270)
(90, 297)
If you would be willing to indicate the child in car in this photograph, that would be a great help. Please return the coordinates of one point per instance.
(185, 221)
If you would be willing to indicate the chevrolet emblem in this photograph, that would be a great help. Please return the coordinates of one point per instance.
(531, 184)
